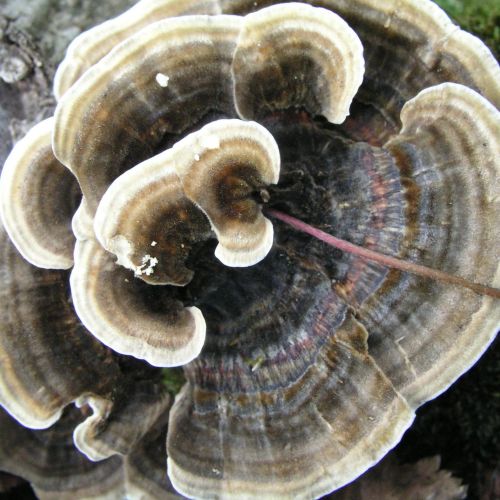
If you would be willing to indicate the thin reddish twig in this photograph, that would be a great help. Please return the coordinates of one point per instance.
(383, 259)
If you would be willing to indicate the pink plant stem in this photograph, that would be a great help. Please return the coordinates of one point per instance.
(380, 258)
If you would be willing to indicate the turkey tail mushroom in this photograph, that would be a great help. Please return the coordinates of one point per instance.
(304, 369)
(296, 55)
(38, 197)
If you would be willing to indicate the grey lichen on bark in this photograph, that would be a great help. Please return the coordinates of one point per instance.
(33, 39)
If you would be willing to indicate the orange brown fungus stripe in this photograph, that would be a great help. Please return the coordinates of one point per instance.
(380, 258)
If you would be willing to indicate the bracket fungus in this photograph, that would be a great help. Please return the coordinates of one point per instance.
(374, 121)
(297, 55)
(214, 171)
(37, 200)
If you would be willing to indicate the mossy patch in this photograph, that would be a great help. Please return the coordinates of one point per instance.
(481, 18)
(173, 379)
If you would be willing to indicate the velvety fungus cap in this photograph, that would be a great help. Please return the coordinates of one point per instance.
(374, 121)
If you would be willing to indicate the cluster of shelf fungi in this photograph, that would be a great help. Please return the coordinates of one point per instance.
(139, 235)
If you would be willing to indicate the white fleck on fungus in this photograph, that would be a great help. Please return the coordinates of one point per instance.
(162, 79)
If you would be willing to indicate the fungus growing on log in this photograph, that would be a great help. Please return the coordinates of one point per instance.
(304, 364)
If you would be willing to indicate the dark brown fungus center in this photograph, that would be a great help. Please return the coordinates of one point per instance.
(326, 179)
(235, 186)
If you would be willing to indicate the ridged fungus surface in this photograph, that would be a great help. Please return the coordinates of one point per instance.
(135, 237)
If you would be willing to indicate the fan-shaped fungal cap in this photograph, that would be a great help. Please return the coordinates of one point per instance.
(118, 114)
(482, 67)
(115, 427)
(462, 187)
(446, 44)
(121, 313)
(38, 197)
(146, 220)
(297, 55)
(55, 468)
(298, 441)
(224, 168)
(47, 359)
(92, 45)
(457, 108)
(145, 214)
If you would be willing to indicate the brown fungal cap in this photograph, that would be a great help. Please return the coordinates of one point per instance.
(38, 196)
(463, 188)
(297, 55)
(49, 460)
(146, 220)
(149, 217)
(223, 169)
(119, 113)
(92, 45)
(447, 46)
(47, 359)
(479, 62)
(116, 427)
(115, 307)
(314, 361)
(51, 463)
(315, 444)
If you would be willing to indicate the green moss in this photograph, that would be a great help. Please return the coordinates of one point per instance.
(481, 17)
(173, 379)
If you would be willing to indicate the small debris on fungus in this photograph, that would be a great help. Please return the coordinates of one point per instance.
(147, 267)
(162, 80)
